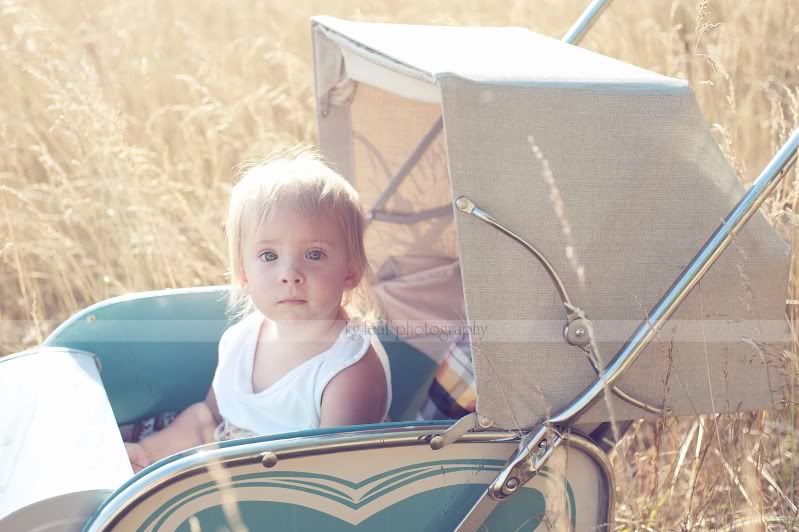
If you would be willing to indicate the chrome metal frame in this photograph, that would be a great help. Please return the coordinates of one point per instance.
(253, 450)
(481, 509)
(589, 447)
(586, 20)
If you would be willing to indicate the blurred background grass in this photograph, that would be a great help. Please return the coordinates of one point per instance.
(121, 124)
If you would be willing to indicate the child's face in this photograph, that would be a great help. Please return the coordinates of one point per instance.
(296, 268)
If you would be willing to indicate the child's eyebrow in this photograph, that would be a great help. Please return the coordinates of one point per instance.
(311, 241)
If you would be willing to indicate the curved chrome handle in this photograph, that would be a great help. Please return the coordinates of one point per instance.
(466, 205)
(578, 331)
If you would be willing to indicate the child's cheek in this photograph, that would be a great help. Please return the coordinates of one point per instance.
(330, 276)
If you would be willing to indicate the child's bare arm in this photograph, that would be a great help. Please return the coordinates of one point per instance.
(210, 402)
(193, 426)
(356, 395)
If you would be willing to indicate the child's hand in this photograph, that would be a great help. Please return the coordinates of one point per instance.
(138, 456)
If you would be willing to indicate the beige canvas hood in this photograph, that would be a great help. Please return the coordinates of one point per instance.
(607, 169)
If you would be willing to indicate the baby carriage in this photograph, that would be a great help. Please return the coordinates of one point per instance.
(573, 190)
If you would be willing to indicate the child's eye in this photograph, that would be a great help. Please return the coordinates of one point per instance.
(315, 254)
(268, 256)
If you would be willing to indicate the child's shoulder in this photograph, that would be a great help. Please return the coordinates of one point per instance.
(359, 392)
(366, 366)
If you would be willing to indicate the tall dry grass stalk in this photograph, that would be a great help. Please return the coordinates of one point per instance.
(121, 123)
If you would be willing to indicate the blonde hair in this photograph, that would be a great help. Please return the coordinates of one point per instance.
(298, 179)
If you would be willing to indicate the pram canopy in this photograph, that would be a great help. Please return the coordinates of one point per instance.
(607, 169)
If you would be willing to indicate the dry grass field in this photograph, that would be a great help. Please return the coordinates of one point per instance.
(121, 124)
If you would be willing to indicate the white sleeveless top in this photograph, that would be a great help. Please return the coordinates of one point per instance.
(292, 403)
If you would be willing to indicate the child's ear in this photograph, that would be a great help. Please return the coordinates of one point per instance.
(353, 278)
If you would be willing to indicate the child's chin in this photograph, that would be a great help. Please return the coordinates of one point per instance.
(291, 314)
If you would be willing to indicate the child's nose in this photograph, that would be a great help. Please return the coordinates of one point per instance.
(292, 275)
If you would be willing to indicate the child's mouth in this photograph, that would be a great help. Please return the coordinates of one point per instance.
(291, 302)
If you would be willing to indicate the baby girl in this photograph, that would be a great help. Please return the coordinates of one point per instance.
(301, 355)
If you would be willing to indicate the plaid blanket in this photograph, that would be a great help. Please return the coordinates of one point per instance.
(452, 393)
(135, 432)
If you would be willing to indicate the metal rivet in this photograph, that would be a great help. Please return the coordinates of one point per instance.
(542, 444)
(436, 442)
(484, 422)
(512, 483)
(462, 203)
(269, 459)
(579, 332)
